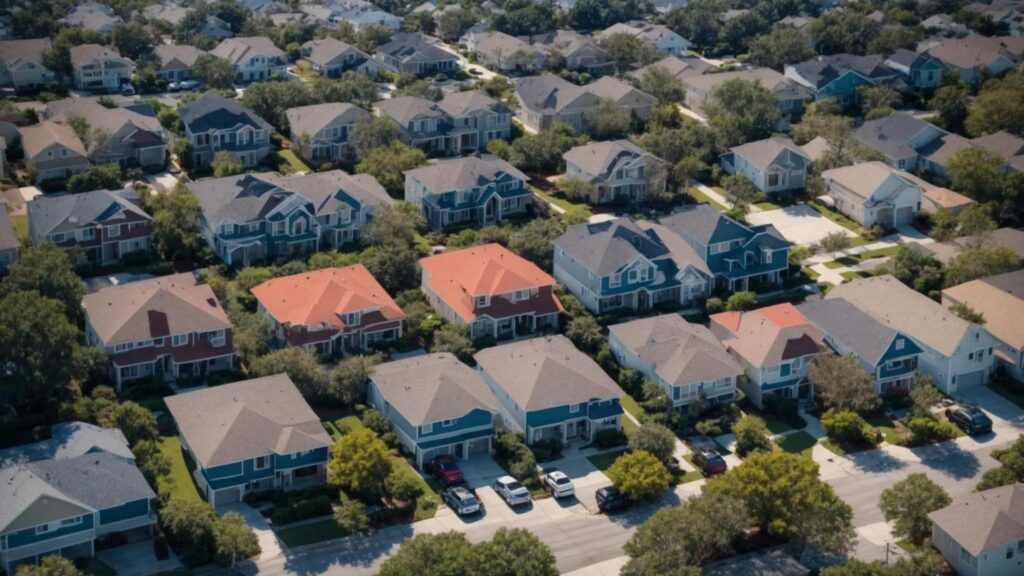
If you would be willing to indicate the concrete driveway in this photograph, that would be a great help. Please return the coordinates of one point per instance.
(138, 559)
(1007, 417)
(270, 546)
(800, 224)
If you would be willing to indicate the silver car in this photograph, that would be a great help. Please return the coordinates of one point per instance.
(558, 484)
(512, 491)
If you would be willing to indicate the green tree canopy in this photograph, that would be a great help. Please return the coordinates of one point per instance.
(907, 504)
(47, 270)
(639, 475)
(308, 375)
(440, 554)
(751, 435)
(741, 111)
(389, 163)
(49, 566)
(515, 552)
(360, 463)
(841, 382)
(783, 45)
(655, 439)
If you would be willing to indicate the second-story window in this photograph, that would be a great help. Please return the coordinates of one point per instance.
(766, 256)
(114, 231)
(262, 462)
(483, 301)
(179, 340)
(216, 337)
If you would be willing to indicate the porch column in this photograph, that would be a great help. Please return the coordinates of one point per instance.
(564, 427)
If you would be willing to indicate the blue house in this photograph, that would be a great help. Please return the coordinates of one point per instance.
(251, 436)
(58, 496)
(773, 165)
(919, 69)
(549, 390)
(625, 265)
(887, 354)
(738, 255)
(437, 405)
(840, 75)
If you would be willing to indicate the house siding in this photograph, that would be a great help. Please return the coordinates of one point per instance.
(125, 511)
(28, 536)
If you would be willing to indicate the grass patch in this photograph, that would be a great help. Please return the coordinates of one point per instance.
(887, 426)
(20, 223)
(426, 505)
(836, 217)
(421, 243)
(909, 546)
(559, 200)
(629, 404)
(798, 443)
(810, 273)
(179, 481)
(311, 533)
(699, 196)
(604, 460)
(1009, 389)
(629, 426)
(767, 206)
(689, 476)
(154, 403)
(836, 264)
(854, 275)
(293, 161)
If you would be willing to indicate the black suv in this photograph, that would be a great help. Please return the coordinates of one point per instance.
(970, 418)
(609, 499)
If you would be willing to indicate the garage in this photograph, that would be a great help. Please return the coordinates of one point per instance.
(479, 446)
(904, 216)
(970, 380)
(222, 497)
(431, 453)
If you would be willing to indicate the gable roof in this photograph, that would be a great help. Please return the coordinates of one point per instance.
(606, 247)
(762, 153)
(211, 111)
(314, 118)
(28, 50)
(548, 92)
(678, 351)
(463, 173)
(47, 213)
(678, 249)
(865, 178)
(110, 120)
(321, 297)
(622, 93)
(403, 109)
(85, 53)
(824, 70)
(780, 86)
(177, 56)
(892, 134)
(1008, 146)
(984, 520)
(1000, 300)
(768, 336)
(239, 421)
(69, 440)
(457, 104)
(604, 157)
(235, 50)
(868, 338)
(407, 46)
(704, 224)
(432, 388)
(39, 137)
(679, 68)
(325, 50)
(973, 51)
(500, 45)
(546, 372)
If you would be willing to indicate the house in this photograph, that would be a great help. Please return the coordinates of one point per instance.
(436, 404)
(255, 58)
(176, 61)
(328, 127)
(773, 165)
(578, 51)
(944, 23)
(422, 123)
(358, 13)
(789, 94)
(549, 390)
(215, 124)
(92, 16)
(1009, 147)
(840, 75)
(331, 311)
(132, 138)
(775, 346)
(21, 64)
(1000, 301)
(739, 256)
(975, 57)
(889, 356)
(911, 144)
(248, 218)
(661, 37)
(919, 69)
(10, 245)
(54, 150)
(624, 95)
(507, 54)
(619, 170)
(546, 99)
(330, 57)
(250, 436)
(99, 69)
(933, 198)
(174, 14)
(980, 534)
(686, 360)
(167, 328)
(417, 54)
(679, 68)
(494, 291)
(63, 494)
(874, 194)
(622, 264)
(958, 355)
(468, 191)
(105, 224)
(477, 119)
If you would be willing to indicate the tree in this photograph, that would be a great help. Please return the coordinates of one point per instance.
(783, 45)
(840, 382)
(130, 39)
(533, 241)
(359, 463)
(923, 394)
(399, 222)
(951, 101)
(214, 72)
(627, 50)
(944, 225)
(686, 171)
(980, 262)
(977, 173)
(47, 270)
(846, 427)
(351, 517)
(834, 242)
(308, 375)
(739, 191)
(226, 164)
(976, 221)
(349, 378)
(516, 552)
(838, 31)
(150, 460)
(661, 84)
(440, 554)
(96, 177)
(785, 497)
(639, 475)
(190, 525)
(403, 486)
(234, 539)
(874, 98)
(393, 265)
(607, 120)
(454, 339)
(388, 165)
(907, 504)
(751, 435)
(697, 531)
(915, 269)
(134, 421)
(999, 106)
(741, 111)
(177, 223)
(53, 565)
(741, 301)
(372, 132)
(585, 333)
(967, 313)
(655, 439)
(577, 188)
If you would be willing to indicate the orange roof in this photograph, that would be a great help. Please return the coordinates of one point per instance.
(490, 269)
(319, 297)
(730, 320)
(782, 315)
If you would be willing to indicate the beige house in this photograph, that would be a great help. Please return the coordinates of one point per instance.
(1000, 301)
(99, 68)
(54, 150)
(21, 63)
(128, 137)
(873, 193)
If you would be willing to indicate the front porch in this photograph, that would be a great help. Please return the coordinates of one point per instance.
(513, 326)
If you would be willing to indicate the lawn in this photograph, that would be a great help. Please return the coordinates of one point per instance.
(835, 217)
(179, 480)
(854, 259)
(628, 426)
(342, 425)
(887, 426)
(560, 201)
(854, 275)
(630, 405)
(604, 460)
(1009, 389)
(310, 533)
(797, 443)
(692, 475)
(702, 197)
(767, 206)
(293, 161)
(835, 264)
(810, 273)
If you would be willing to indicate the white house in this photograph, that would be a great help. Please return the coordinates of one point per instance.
(874, 193)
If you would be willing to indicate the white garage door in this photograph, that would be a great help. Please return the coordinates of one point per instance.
(970, 380)
(904, 216)
(222, 497)
(479, 446)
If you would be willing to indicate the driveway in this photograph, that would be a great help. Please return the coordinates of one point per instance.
(1007, 417)
(270, 546)
(138, 559)
(800, 224)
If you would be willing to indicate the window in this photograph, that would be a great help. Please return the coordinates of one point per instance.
(483, 301)
(216, 338)
(632, 275)
(124, 347)
(179, 340)
(773, 179)
(614, 280)
(574, 408)
(720, 248)
(521, 295)
(766, 256)
(448, 423)
(57, 238)
(785, 370)
(426, 429)
(114, 231)
(87, 234)
(71, 521)
(899, 343)
(262, 462)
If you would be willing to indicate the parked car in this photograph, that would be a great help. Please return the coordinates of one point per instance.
(475, 71)
(970, 418)
(188, 84)
(609, 500)
(174, 86)
(445, 470)
(127, 89)
(709, 461)
(461, 500)
(512, 491)
(558, 484)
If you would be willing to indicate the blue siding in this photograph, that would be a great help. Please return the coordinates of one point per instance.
(288, 461)
(126, 511)
(248, 474)
(559, 414)
(474, 419)
(223, 471)
(605, 409)
(29, 536)
(844, 86)
(397, 419)
(436, 442)
(886, 373)
(909, 349)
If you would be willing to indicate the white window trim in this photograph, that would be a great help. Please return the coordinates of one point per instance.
(256, 463)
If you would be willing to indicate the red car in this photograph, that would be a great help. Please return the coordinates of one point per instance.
(445, 470)
(709, 461)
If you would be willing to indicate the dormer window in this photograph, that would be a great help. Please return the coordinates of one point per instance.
(483, 301)
(352, 318)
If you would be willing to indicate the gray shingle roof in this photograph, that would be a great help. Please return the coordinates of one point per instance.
(548, 92)
(433, 388)
(602, 158)
(325, 50)
(891, 135)
(29, 50)
(38, 137)
(679, 352)
(404, 108)
(462, 173)
(622, 93)
(700, 222)
(865, 178)
(314, 118)
(763, 152)
(211, 111)
(235, 50)
(176, 56)
(47, 213)
(415, 46)
(84, 53)
(854, 328)
(457, 104)
(608, 246)
(69, 440)
(825, 69)
(984, 520)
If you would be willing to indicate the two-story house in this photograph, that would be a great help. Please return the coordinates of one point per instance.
(104, 224)
(773, 165)
(919, 69)
(619, 170)
(738, 255)
(468, 191)
(175, 61)
(957, 354)
(788, 94)
(99, 69)
(839, 76)
(889, 356)
(332, 311)
(62, 494)
(130, 137)
(330, 57)
(660, 36)
(21, 63)
(92, 16)
(775, 346)
(506, 54)
(911, 144)
(255, 58)
(214, 124)
(579, 52)
(168, 327)
(253, 217)
(678, 68)
(624, 95)
(975, 57)
(476, 120)
(874, 193)
(549, 390)
(981, 534)
(417, 54)
(494, 291)
(436, 404)
(622, 264)
(251, 436)
(546, 99)
(328, 128)
(684, 359)
(421, 122)
(1000, 301)
(54, 150)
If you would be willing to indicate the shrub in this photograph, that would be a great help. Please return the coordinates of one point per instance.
(609, 438)
(710, 427)
(656, 440)
(376, 421)
(846, 427)
(786, 409)
(639, 475)
(713, 305)
(751, 435)
(301, 510)
(402, 486)
(523, 465)
(925, 430)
